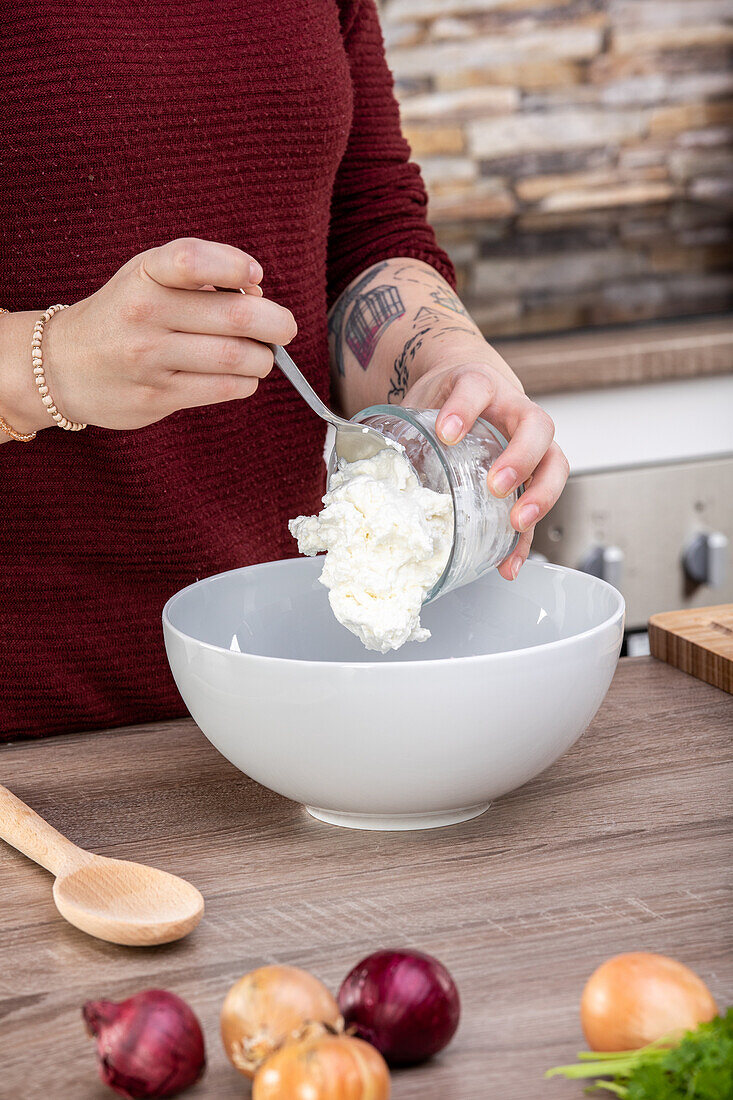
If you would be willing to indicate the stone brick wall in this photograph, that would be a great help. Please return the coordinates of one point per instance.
(578, 153)
(529, 106)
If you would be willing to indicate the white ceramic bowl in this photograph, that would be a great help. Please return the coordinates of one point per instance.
(423, 737)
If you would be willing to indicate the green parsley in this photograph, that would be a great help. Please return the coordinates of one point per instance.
(699, 1067)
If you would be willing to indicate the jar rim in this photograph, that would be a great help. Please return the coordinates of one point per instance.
(409, 415)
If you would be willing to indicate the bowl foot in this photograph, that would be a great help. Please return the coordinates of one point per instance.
(398, 822)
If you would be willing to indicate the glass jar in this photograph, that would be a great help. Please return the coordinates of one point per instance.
(482, 533)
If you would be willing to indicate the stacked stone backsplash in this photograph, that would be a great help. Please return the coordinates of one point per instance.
(578, 153)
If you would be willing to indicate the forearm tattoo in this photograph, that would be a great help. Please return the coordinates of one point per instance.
(369, 313)
(400, 379)
(364, 312)
(446, 299)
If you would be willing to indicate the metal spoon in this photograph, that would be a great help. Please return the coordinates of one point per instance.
(353, 441)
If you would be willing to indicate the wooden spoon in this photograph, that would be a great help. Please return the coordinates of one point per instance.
(109, 898)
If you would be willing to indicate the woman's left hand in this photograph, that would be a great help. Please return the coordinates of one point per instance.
(471, 389)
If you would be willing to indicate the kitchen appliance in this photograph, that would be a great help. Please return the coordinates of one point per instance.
(649, 504)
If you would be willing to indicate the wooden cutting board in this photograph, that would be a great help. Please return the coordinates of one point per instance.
(699, 641)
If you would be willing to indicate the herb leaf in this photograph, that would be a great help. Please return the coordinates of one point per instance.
(699, 1067)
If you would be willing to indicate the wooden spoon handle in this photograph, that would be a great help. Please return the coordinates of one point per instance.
(30, 834)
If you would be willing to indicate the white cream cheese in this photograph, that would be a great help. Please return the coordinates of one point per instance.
(387, 541)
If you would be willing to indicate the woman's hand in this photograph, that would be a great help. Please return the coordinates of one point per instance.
(432, 354)
(472, 389)
(154, 339)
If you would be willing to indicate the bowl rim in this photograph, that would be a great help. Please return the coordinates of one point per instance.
(430, 662)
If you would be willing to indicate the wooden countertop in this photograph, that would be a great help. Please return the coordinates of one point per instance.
(622, 845)
(614, 357)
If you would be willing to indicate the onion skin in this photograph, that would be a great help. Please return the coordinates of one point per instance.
(328, 1067)
(402, 1002)
(268, 1006)
(638, 998)
(150, 1045)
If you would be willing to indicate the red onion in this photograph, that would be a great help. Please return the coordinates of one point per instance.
(150, 1045)
(402, 1002)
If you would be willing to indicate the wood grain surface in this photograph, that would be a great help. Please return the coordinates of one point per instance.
(621, 356)
(697, 640)
(625, 844)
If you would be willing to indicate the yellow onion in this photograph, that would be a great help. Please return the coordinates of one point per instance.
(635, 999)
(268, 1006)
(325, 1067)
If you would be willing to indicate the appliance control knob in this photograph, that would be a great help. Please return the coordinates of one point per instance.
(606, 562)
(705, 559)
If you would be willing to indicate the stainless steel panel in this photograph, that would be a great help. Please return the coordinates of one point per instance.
(652, 514)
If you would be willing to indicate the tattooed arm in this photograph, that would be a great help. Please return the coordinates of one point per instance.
(400, 335)
(394, 322)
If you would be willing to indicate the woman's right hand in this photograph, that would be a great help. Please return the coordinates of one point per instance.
(154, 339)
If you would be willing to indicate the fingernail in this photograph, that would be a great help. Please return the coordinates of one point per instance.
(255, 271)
(451, 429)
(515, 567)
(527, 515)
(504, 481)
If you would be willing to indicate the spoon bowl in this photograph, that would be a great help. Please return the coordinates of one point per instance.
(127, 903)
(353, 441)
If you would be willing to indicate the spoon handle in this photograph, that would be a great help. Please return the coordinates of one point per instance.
(22, 827)
(294, 374)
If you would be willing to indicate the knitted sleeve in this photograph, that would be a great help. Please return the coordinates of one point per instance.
(378, 207)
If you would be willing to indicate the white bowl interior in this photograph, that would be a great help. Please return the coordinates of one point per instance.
(281, 610)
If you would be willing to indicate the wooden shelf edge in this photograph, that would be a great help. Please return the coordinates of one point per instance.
(629, 355)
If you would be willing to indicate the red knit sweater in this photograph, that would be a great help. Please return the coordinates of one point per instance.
(269, 125)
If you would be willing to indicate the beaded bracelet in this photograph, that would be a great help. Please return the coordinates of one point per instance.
(22, 437)
(40, 376)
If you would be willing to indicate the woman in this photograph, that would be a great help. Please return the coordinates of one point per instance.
(151, 153)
